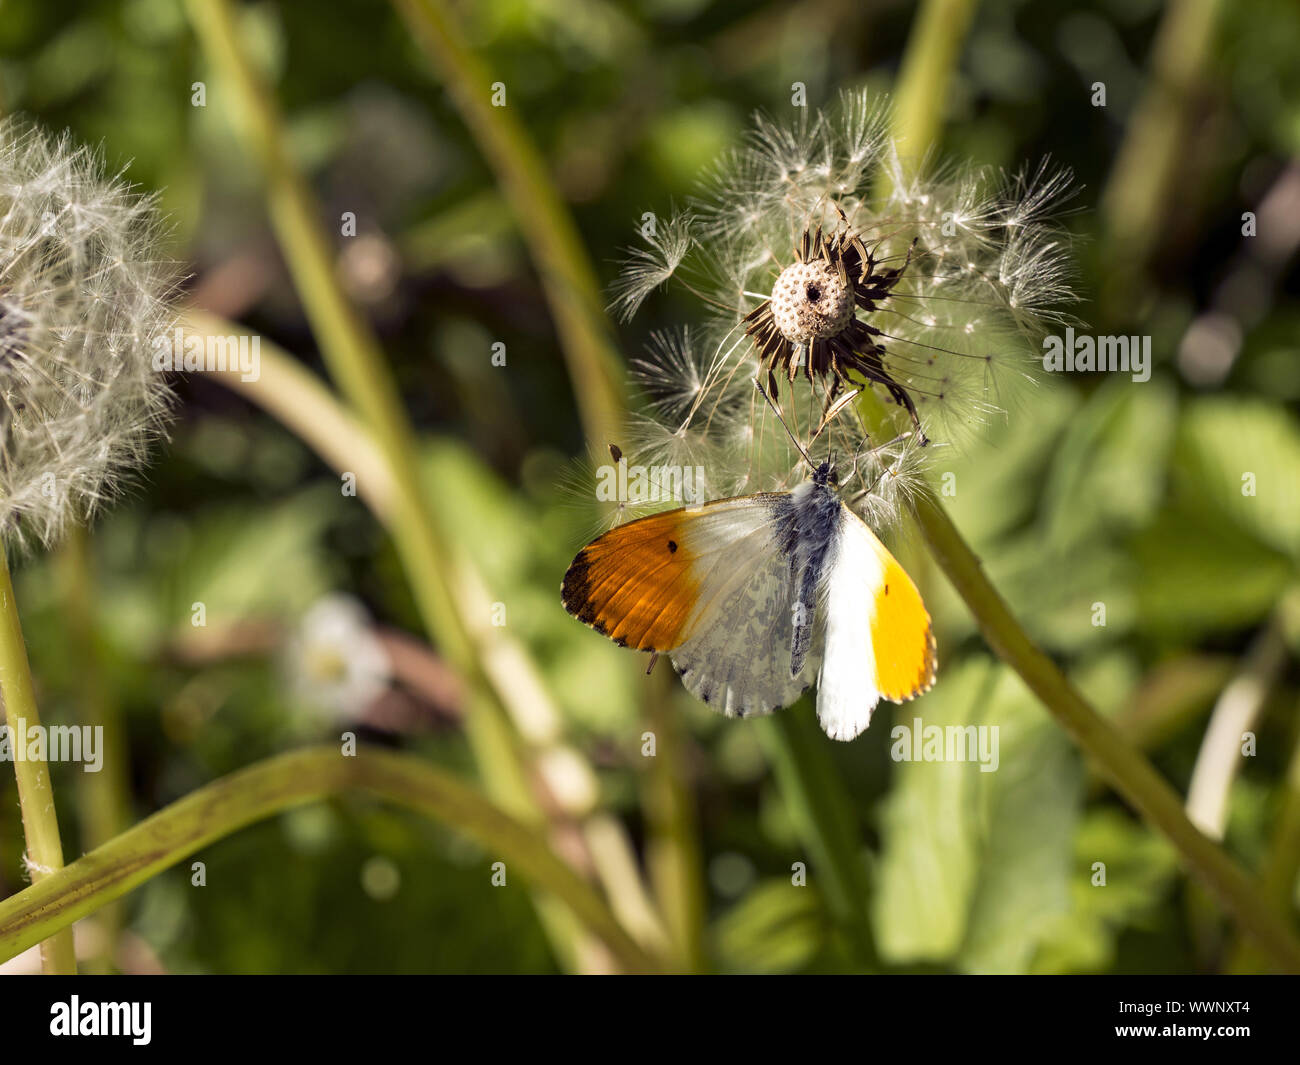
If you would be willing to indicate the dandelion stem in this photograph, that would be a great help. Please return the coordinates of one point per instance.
(350, 350)
(544, 221)
(218, 809)
(35, 791)
(595, 370)
(1127, 770)
(932, 50)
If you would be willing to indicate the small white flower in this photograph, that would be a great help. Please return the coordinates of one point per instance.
(85, 293)
(335, 660)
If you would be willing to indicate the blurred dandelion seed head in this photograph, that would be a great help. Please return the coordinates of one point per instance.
(826, 265)
(84, 293)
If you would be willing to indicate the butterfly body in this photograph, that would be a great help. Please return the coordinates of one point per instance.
(808, 527)
(758, 597)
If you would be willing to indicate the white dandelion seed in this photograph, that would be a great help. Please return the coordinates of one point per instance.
(648, 267)
(673, 376)
(84, 294)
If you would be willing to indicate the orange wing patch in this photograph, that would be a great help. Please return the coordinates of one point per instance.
(901, 636)
(635, 583)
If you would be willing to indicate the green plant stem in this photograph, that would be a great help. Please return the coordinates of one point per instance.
(1152, 154)
(921, 91)
(305, 405)
(595, 371)
(672, 849)
(817, 799)
(103, 798)
(357, 365)
(349, 348)
(35, 791)
(1129, 772)
(552, 238)
(226, 805)
(823, 817)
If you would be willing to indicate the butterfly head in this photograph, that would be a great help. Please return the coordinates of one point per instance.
(825, 475)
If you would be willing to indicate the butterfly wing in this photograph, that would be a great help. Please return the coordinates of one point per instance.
(878, 640)
(641, 584)
(708, 583)
(739, 660)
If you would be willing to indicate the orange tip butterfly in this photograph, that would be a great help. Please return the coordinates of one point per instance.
(755, 597)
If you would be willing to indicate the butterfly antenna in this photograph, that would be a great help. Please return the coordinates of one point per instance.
(776, 410)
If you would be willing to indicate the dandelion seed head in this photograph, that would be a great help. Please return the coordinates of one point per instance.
(84, 296)
(811, 300)
(825, 265)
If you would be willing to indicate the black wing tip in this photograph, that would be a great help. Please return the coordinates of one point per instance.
(575, 586)
(575, 597)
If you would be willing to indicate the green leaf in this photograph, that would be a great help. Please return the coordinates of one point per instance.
(1200, 573)
(975, 864)
(242, 563)
(926, 874)
(1138, 866)
(994, 484)
(1030, 806)
(775, 928)
(1241, 458)
(1109, 468)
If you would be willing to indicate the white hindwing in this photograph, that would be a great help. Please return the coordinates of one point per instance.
(846, 690)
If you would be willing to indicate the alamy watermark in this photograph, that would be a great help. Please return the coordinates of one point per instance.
(133, 1020)
(946, 743)
(623, 483)
(209, 354)
(1086, 353)
(53, 743)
